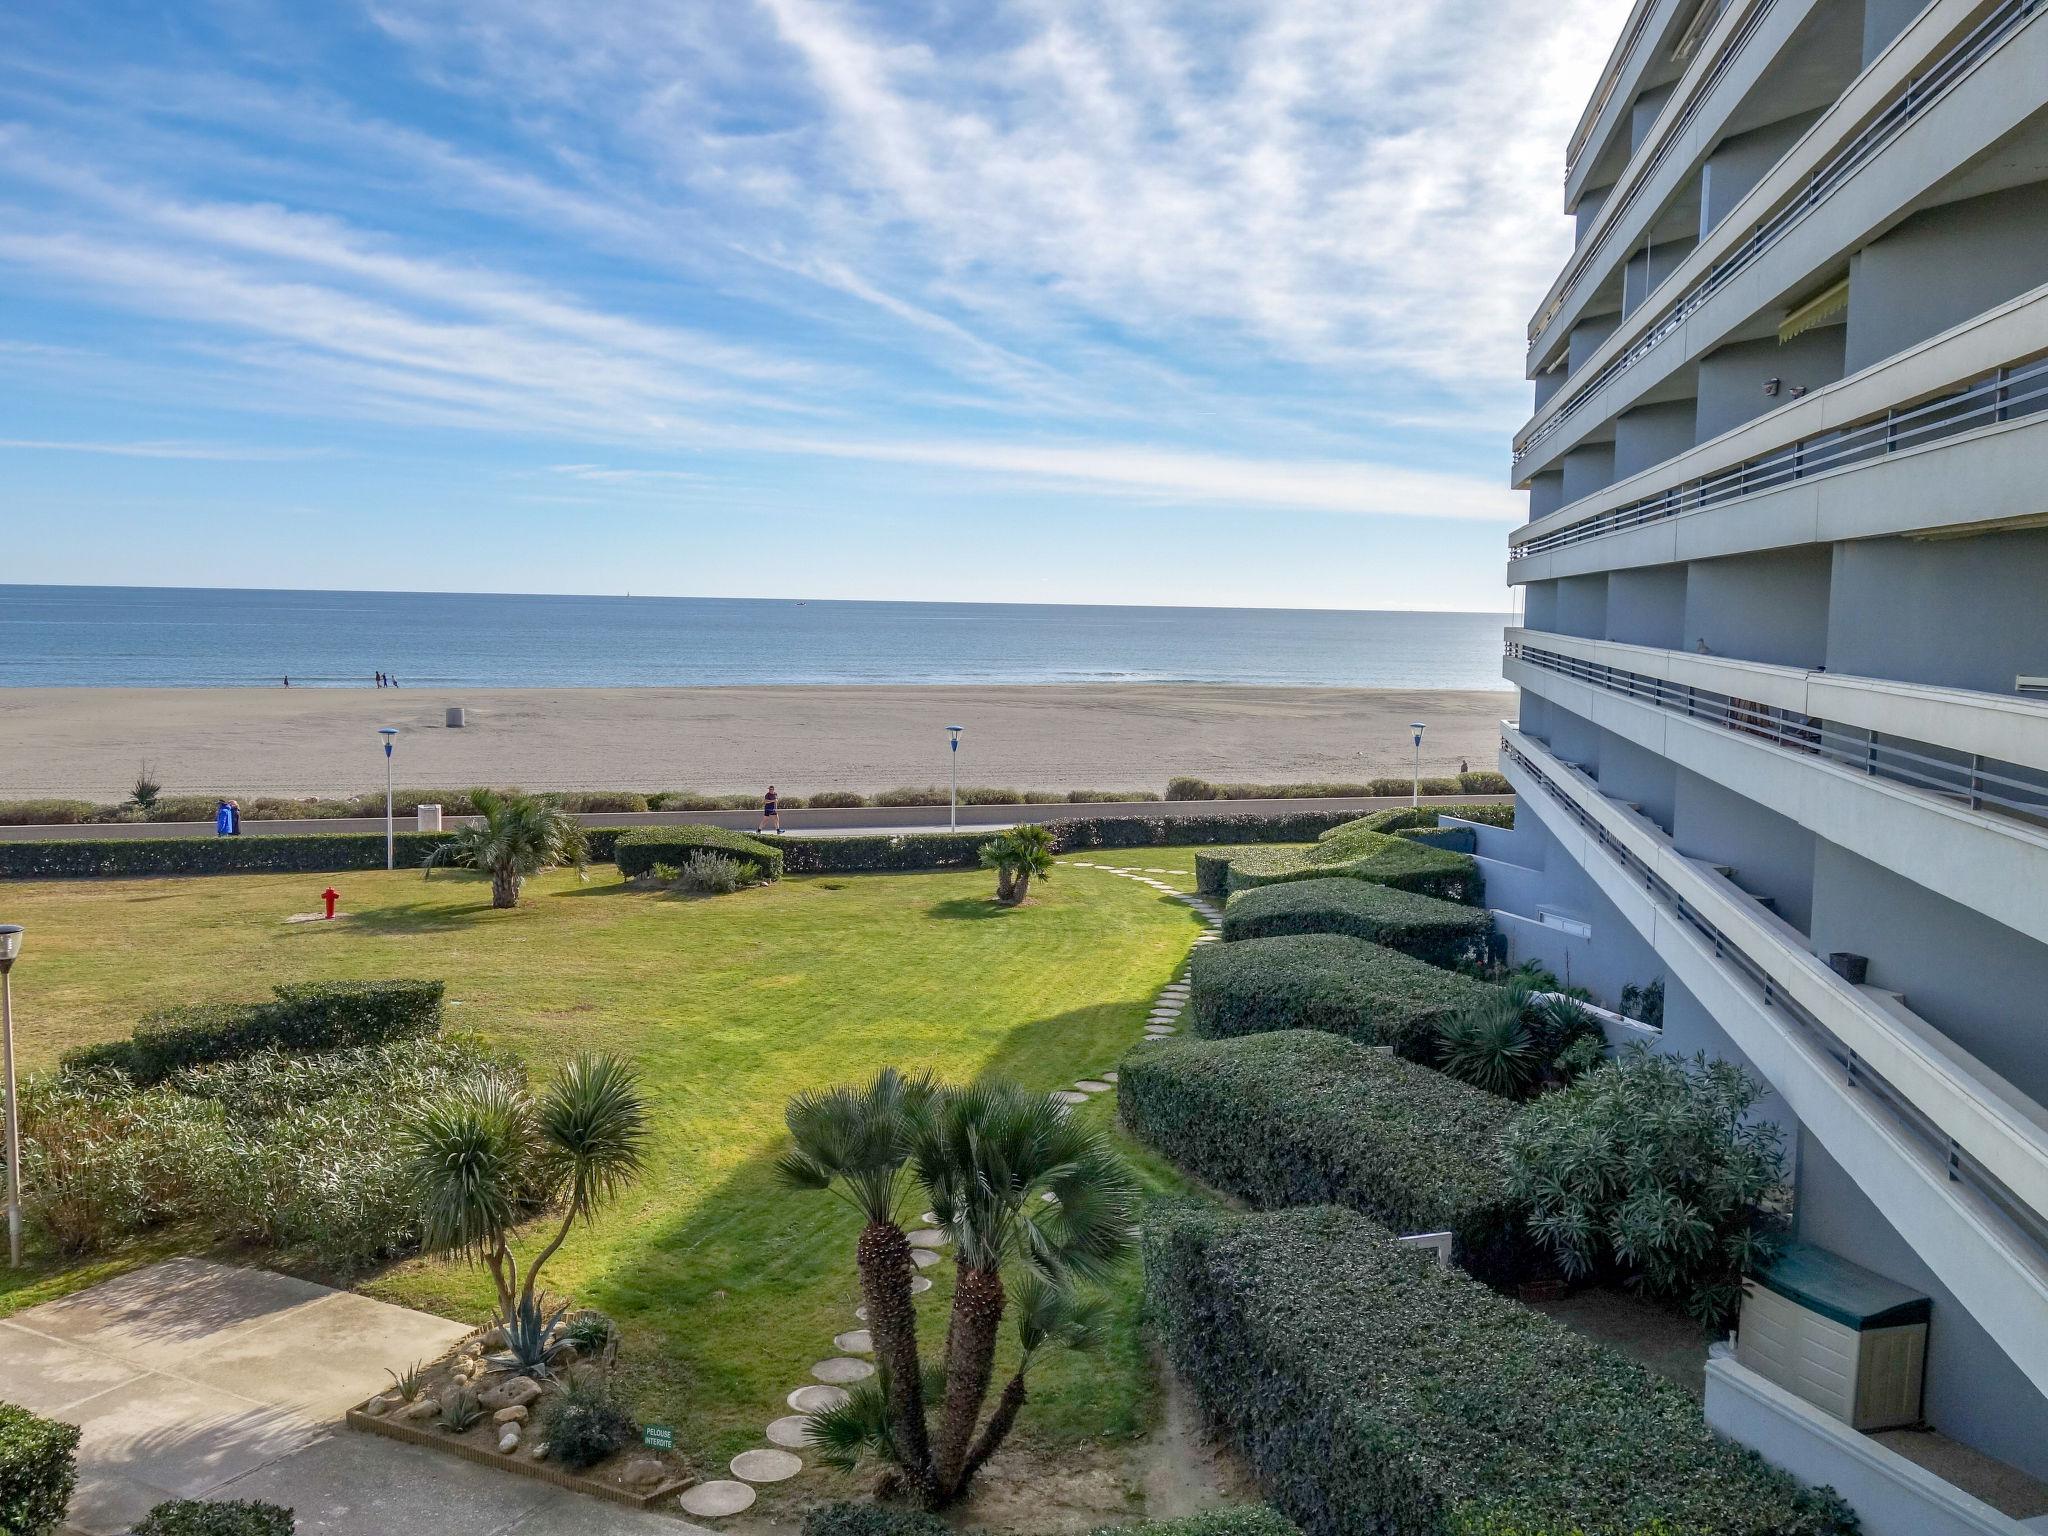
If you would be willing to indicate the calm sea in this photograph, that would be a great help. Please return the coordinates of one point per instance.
(173, 637)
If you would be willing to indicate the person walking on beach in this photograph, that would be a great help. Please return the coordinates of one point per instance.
(380, 679)
(771, 812)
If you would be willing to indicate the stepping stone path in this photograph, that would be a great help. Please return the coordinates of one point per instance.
(766, 1466)
(816, 1399)
(710, 1500)
(1068, 1096)
(858, 1342)
(841, 1369)
(932, 1239)
(793, 1431)
(923, 1258)
(1092, 1085)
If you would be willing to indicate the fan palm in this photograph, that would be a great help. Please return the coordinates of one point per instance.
(514, 837)
(1016, 856)
(855, 1144)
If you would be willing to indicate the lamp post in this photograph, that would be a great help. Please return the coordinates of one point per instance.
(10, 947)
(953, 757)
(1415, 796)
(390, 735)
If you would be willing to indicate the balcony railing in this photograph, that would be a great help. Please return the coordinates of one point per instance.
(1610, 217)
(1857, 1075)
(2006, 395)
(2006, 789)
(1914, 98)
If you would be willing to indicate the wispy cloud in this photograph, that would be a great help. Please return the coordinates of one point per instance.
(212, 452)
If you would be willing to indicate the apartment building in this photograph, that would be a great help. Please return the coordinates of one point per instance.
(1783, 657)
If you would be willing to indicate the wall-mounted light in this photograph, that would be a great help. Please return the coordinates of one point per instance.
(1772, 386)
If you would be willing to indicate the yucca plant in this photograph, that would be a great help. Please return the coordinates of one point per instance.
(515, 837)
(533, 1339)
(461, 1410)
(1019, 854)
(1489, 1046)
(408, 1384)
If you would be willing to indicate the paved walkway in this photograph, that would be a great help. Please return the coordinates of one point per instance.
(194, 1380)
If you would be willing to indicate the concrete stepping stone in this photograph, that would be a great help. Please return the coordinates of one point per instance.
(856, 1342)
(794, 1431)
(710, 1500)
(841, 1369)
(930, 1218)
(1109, 1077)
(766, 1466)
(816, 1399)
(1092, 1085)
(1161, 1032)
(918, 1283)
(923, 1258)
(932, 1238)
(1068, 1096)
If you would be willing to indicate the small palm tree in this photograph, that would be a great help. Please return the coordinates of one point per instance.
(483, 1157)
(1023, 851)
(516, 836)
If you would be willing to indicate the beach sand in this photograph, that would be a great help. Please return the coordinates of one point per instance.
(88, 743)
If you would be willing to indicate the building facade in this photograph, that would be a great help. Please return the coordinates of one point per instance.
(1783, 657)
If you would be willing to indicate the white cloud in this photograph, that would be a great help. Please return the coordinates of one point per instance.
(162, 450)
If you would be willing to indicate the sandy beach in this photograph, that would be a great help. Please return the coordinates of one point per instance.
(89, 742)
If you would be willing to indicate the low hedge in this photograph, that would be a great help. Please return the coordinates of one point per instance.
(217, 1517)
(884, 852)
(1444, 933)
(1375, 1391)
(1408, 818)
(1376, 856)
(38, 1470)
(299, 853)
(852, 1519)
(1300, 1118)
(303, 1016)
(1325, 981)
(636, 853)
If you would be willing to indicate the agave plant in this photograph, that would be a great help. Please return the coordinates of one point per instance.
(461, 1410)
(516, 836)
(408, 1385)
(533, 1339)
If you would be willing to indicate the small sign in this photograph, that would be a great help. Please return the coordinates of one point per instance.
(659, 1437)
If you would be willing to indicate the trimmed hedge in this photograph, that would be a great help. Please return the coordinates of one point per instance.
(1407, 818)
(1442, 932)
(636, 853)
(306, 853)
(303, 1016)
(1451, 839)
(1376, 856)
(38, 1470)
(217, 1517)
(852, 1519)
(883, 852)
(1376, 1392)
(1243, 1520)
(1300, 1118)
(1325, 981)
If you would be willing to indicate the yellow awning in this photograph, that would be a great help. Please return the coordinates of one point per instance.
(1818, 310)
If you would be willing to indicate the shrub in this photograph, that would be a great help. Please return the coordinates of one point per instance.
(1441, 932)
(1484, 781)
(1326, 981)
(1212, 873)
(882, 852)
(1406, 818)
(686, 800)
(1376, 1392)
(596, 802)
(1246, 1520)
(1374, 856)
(45, 813)
(1185, 788)
(931, 794)
(1649, 1166)
(1299, 1118)
(638, 852)
(303, 1016)
(838, 800)
(584, 1423)
(1644, 1004)
(217, 1517)
(713, 874)
(851, 1519)
(38, 1469)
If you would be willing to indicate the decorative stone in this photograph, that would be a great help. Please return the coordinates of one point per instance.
(538, 1451)
(420, 1408)
(923, 1258)
(512, 1392)
(858, 1342)
(1092, 1085)
(794, 1431)
(643, 1472)
(766, 1466)
(508, 1441)
(842, 1369)
(1109, 1077)
(378, 1406)
(1068, 1096)
(710, 1500)
(919, 1284)
(516, 1414)
(817, 1399)
(927, 1239)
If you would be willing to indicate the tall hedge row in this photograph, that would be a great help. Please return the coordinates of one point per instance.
(1379, 1394)
(1325, 981)
(1300, 1118)
(1443, 933)
(303, 1016)
(38, 1470)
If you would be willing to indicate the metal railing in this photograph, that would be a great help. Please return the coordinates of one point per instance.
(1965, 778)
(1609, 81)
(2014, 391)
(1857, 1075)
(1611, 217)
(1915, 97)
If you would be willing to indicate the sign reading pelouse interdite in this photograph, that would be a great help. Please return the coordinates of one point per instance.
(659, 1437)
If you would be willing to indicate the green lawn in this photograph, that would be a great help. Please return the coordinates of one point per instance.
(727, 1287)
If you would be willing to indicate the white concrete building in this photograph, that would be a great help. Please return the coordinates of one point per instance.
(1783, 654)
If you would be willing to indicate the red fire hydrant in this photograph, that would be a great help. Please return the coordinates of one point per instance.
(330, 896)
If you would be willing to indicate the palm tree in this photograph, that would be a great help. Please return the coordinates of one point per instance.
(987, 1157)
(855, 1143)
(517, 835)
(482, 1157)
(1018, 854)
(1050, 1315)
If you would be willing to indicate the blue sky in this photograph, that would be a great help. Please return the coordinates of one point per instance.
(1219, 302)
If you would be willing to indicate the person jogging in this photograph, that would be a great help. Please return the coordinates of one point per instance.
(771, 812)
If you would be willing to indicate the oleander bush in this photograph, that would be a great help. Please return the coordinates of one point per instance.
(217, 1517)
(38, 1470)
(1444, 933)
(300, 1016)
(636, 853)
(1325, 981)
(1301, 1118)
(1376, 856)
(1377, 1393)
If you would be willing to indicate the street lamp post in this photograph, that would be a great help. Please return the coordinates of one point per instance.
(1415, 796)
(953, 757)
(10, 947)
(390, 735)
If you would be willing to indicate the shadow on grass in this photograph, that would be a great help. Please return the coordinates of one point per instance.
(967, 908)
(420, 917)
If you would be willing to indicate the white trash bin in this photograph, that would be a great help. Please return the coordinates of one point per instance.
(430, 818)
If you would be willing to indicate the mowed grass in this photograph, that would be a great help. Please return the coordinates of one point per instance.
(728, 1287)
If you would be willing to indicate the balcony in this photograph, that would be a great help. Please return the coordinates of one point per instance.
(1887, 110)
(1957, 1155)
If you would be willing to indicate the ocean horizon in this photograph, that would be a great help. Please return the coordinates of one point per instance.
(184, 637)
